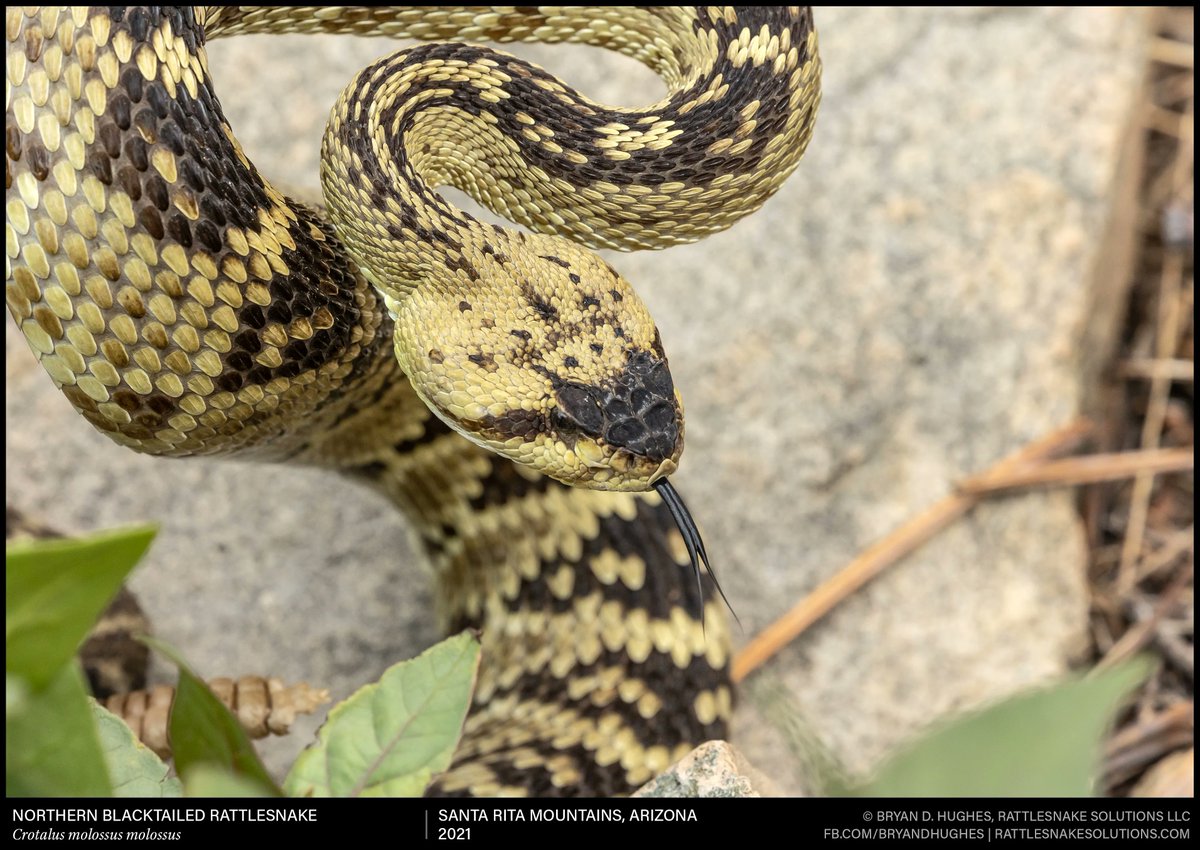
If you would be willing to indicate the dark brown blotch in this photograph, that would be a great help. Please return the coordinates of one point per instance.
(33, 43)
(179, 230)
(156, 191)
(499, 257)
(100, 165)
(131, 182)
(464, 265)
(512, 423)
(110, 139)
(161, 404)
(543, 308)
(137, 152)
(12, 142)
(484, 360)
(151, 219)
(132, 302)
(127, 400)
(39, 160)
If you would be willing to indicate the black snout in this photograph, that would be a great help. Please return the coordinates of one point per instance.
(637, 412)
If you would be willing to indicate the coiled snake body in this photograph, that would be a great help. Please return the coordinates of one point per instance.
(186, 307)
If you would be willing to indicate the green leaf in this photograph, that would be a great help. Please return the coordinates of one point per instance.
(51, 745)
(392, 737)
(56, 590)
(204, 732)
(1043, 744)
(135, 770)
(207, 780)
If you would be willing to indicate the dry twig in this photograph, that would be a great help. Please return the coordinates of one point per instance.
(1083, 470)
(1143, 743)
(878, 557)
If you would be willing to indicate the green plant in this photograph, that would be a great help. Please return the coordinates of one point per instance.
(1045, 743)
(391, 737)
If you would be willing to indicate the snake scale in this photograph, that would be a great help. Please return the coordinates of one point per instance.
(185, 307)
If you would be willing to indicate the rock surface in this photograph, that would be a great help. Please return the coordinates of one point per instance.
(714, 769)
(907, 310)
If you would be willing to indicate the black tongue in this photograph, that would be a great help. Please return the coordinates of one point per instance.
(693, 542)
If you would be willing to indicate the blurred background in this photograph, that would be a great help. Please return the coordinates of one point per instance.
(990, 235)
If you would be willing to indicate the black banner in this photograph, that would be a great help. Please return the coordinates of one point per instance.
(957, 821)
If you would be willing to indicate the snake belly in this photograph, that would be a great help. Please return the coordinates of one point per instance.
(185, 306)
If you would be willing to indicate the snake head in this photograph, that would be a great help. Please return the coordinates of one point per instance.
(537, 349)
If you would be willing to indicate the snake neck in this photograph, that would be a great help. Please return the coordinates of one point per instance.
(584, 599)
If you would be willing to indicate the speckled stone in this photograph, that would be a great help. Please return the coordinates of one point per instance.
(904, 312)
(714, 769)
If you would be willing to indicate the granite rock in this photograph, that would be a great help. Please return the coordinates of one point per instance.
(715, 769)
